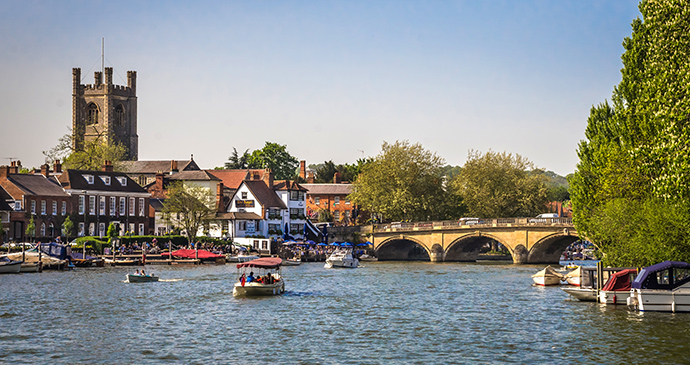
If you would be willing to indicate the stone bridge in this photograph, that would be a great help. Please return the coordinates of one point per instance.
(529, 240)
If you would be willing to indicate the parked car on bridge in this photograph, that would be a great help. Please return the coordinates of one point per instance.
(544, 218)
(468, 221)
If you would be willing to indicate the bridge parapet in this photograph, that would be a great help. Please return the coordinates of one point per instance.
(479, 223)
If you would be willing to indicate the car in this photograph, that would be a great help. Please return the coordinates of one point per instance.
(544, 218)
(468, 221)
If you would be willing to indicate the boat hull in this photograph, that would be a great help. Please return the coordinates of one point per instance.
(30, 267)
(141, 278)
(652, 300)
(292, 262)
(547, 280)
(582, 294)
(574, 281)
(614, 297)
(345, 264)
(10, 267)
(258, 289)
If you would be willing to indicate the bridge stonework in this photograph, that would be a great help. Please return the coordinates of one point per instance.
(529, 242)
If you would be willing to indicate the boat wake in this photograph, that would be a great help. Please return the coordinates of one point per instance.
(170, 280)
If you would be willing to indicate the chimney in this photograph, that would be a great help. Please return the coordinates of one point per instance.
(173, 166)
(107, 166)
(45, 171)
(336, 178)
(303, 170)
(268, 178)
(310, 178)
(14, 169)
(159, 181)
(57, 167)
(4, 172)
(220, 207)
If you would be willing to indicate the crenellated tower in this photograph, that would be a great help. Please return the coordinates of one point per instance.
(106, 111)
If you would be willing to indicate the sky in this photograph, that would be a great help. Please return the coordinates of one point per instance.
(331, 80)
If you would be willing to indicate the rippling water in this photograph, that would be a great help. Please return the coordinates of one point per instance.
(385, 312)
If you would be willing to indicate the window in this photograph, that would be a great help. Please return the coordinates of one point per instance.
(300, 196)
(317, 200)
(17, 205)
(92, 207)
(92, 114)
(123, 208)
(131, 227)
(242, 225)
(81, 229)
(101, 229)
(33, 207)
(336, 200)
(296, 213)
(244, 195)
(43, 229)
(54, 207)
(113, 206)
(92, 229)
(101, 206)
(106, 179)
(336, 215)
(141, 229)
(122, 180)
(132, 203)
(119, 115)
(43, 207)
(294, 195)
(274, 228)
(89, 179)
(63, 211)
(347, 200)
(141, 207)
(264, 245)
(82, 199)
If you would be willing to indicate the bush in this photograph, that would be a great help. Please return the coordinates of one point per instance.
(96, 243)
(162, 240)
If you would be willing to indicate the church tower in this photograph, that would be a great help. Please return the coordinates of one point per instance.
(105, 111)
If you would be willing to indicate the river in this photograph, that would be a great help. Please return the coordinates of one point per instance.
(382, 313)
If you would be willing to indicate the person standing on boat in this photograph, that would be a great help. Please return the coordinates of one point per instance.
(243, 279)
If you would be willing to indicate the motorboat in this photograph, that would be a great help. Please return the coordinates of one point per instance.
(267, 282)
(293, 261)
(8, 266)
(617, 288)
(32, 257)
(367, 257)
(30, 267)
(573, 277)
(663, 287)
(242, 257)
(582, 294)
(547, 276)
(141, 278)
(341, 258)
(587, 290)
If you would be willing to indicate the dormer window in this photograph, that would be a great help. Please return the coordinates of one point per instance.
(89, 179)
(106, 180)
(122, 180)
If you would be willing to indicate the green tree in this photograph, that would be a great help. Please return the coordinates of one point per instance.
(93, 155)
(31, 229)
(634, 157)
(495, 185)
(237, 161)
(189, 207)
(324, 172)
(277, 158)
(404, 182)
(67, 227)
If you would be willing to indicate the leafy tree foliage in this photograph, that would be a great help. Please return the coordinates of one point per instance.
(67, 227)
(348, 172)
(235, 161)
(93, 155)
(404, 182)
(500, 185)
(277, 158)
(635, 156)
(189, 207)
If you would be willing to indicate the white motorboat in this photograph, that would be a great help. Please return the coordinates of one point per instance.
(293, 261)
(31, 257)
(663, 287)
(548, 276)
(582, 294)
(367, 257)
(341, 258)
(617, 288)
(268, 282)
(8, 266)
(242, 257)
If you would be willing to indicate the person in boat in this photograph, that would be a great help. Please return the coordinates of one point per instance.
(250, 278)
(137, 272)
(143, 273)
(243, 279)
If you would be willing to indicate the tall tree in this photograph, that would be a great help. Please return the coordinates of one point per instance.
(404, 182)
(189, 207)
(277, 158)
(93, 155)
(635, 152)
(495, 185)
(237, 161)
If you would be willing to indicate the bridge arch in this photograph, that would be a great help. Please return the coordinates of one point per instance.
(467, 247)
(405, 249)
(550, 248)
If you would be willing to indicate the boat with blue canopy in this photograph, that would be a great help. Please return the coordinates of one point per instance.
(663, 287)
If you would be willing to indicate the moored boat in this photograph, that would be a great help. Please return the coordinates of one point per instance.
(548, 276)
(663, 287)
(367, 257)
(341, 258)
(573, 277)
(582, 294)
(587, 291)
(293, 261)
(617, 288)
(30, 267)
(241, 257)
(8, 266)
(268, 282)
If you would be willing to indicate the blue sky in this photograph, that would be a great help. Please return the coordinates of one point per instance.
(331, 80)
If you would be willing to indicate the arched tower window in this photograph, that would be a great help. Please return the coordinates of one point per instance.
(92, 114)
(119, 115)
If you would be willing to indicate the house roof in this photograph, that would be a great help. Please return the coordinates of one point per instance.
(152, 167)
(75, 180)
(3, 200)
(328, 189)
(34, 185)
(265, 196)
(287, 185)
(157, 204)
(238, 215)
(233, 178)
(200, 175)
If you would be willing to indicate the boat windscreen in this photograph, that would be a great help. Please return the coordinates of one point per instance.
(664, 275)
